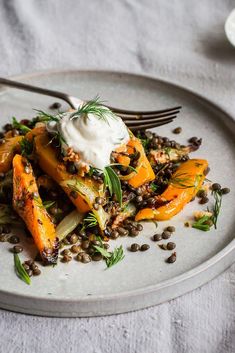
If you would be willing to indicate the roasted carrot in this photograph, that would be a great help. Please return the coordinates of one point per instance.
(86, 189)
(29, 206)
(7, 151)
(183, 186)
(144, 172)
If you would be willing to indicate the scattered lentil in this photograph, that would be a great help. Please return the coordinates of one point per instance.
(225, 191)
(157, 237)
(170, 245)
(135, 247)
(73, 238)
(85, 244)
(201, 193)
(216, 187)
(17, 249)
(177, 130)
(204, 200)
(85, 258)
(75, 249)
(14, 239)
(36, 272)
(97, 257)
(172, 258)
(139, 227)
(66, 258)
(166, 234)
(170, 229)
(144, 247)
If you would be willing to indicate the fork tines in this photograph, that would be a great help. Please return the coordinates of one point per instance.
(137, 120)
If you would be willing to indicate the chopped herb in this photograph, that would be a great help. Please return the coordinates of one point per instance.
(90, 220)
(102, 251)
(26, 147)
(201, 223)
(154, 187)
(111, 258)
(121, 165)
(93, 171)
(168, 150)
(217, 207)
(57, 135)
(45, 117)
(95, 107)
(116, 256)
(16, 125)
(112, 182)
(20, 270)
(48, 204)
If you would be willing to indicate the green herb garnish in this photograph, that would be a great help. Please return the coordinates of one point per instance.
(112, 182)
(45, 117)
(111, 258)
(102, 251)
(48, 204)
(116, 256)
(26, 147)
(90, 220)
(154, 187)
(217, 207)
(16, 125)
(95, 107)
(201, 223)
(20, 270)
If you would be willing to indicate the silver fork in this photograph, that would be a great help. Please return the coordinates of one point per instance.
(135, 120)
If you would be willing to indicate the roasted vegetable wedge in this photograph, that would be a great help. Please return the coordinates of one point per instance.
(183, 186)
(7, 151)
(143, 172)
(82, 191)
(28, 204)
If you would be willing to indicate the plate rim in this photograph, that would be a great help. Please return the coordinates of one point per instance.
(206, 265)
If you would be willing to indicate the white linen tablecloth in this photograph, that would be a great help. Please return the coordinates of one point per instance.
(182, 40)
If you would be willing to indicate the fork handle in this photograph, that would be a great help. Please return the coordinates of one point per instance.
(30, 88)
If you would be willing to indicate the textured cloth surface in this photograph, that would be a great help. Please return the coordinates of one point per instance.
(180, 40)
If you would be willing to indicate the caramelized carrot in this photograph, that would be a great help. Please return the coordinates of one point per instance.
(144, 172)
(185, 183)
(29, 206)
(86, 188)
(7, 151)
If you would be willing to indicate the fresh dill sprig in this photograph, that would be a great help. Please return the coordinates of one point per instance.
(111, 258)
(17, 125)
(116, 256)
(90, 221)
(26, 147)
(217, 206)
(45, 117)
(96, 107)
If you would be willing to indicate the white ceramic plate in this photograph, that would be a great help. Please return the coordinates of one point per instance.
(141, 279)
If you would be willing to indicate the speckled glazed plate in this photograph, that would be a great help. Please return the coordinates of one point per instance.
(141, 279)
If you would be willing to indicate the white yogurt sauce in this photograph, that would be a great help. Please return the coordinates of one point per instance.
(92, 137)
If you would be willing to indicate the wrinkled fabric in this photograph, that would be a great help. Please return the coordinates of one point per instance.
(183, 41)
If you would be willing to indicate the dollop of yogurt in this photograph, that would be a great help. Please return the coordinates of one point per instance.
(92, 136)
